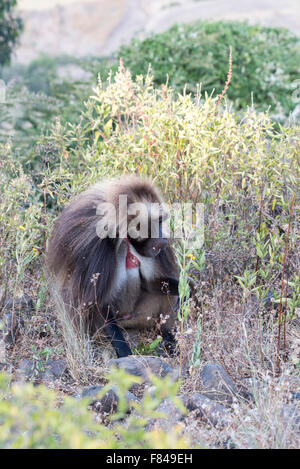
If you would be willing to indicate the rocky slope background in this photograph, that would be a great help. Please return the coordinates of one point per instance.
(100, 27)
(234, 381)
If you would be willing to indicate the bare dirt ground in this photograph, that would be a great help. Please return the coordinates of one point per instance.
(86, 27)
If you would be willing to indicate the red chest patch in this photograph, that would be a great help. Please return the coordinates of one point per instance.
(131, 260)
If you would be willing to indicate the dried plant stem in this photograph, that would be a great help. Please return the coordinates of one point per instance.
(281, 293)
(141, 113)
(229, 76)
(286, 286)
(181, 347)
(259, 222)
(45, 218)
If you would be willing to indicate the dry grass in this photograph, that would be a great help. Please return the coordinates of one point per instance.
(246, 174)
(242, 338)
(85, 364)
(239, 336)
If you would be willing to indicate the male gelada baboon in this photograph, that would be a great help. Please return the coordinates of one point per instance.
(114, 267)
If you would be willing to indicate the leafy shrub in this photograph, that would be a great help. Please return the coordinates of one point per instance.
(195, 152)
(265, 62)
(36, 94)
(244, 172)
(247, 176)
(36, 418)
(21, 223)
(23, 118)
(10, 28)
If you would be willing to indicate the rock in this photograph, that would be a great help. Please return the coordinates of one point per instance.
(54, 369)
(27, 370)
(172, 412)
(10, 326)
(291, 416)
(209, 411)
(22, 304)
(31, 370)
(244, 393)
(2, 352)
(252, 384)
(295, 396)
(290, 382)
(90, 391)
(217, 384)
(173, 417)
(12, 321)
(139, 365)
(109, 402)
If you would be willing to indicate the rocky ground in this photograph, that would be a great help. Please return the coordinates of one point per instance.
(222, 408)
(81, 28)
(234, 398)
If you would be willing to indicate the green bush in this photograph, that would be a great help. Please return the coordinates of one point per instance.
(244, 172)
(37, 418)
(265, 62)
(23, 118)
(10, 28)
(36, 94)
(195, 151)
(21, 223)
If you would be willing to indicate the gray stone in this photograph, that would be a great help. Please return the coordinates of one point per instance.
(173, 416)
(217, 384)
(291, 416)
(90, 391)
(209, 411)
(26, 370)
(172, 412)
(109, 402)
(244, 393)
(10, 326)
(295, 396)
(2, 351)
(54, 369)
(139, 365)
(12, 321)
(22, 304)
(99, 27)
(38, 372)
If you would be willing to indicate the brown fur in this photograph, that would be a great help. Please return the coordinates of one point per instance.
(90, 271)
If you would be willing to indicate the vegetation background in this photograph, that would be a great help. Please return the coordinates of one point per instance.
(214, 119)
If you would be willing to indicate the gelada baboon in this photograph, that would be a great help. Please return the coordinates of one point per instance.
(113, 265)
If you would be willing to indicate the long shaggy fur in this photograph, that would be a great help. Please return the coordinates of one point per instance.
(91, 271)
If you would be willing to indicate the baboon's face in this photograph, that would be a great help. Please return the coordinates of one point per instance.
(149, 247)
(152, 245)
